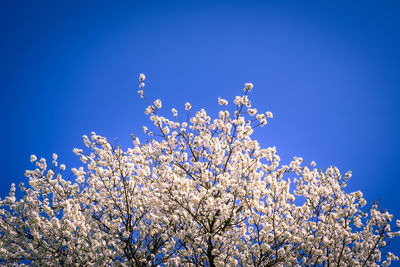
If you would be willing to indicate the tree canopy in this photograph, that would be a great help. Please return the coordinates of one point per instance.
(198, 192)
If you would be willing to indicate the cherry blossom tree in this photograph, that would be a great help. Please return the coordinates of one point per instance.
(197, 192)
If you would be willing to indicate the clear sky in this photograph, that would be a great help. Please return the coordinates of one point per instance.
(328, 70)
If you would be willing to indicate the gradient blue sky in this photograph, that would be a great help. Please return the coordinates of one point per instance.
(328, 70)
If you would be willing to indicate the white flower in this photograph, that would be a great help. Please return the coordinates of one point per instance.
(141, 85)
(188, 106)
(77, 151)
(50, 174)
(33, 158)
(348, 175)
(269, 114)
(149, 110)
(252, 112)
(84, 159)
(141, 93)
(174, 112)
(157, 103)
(263, 122)
(248, 87)
(222, 102)
(165, 130)
(62, 167)
(238, 101)
(86, 140)
(142, 77)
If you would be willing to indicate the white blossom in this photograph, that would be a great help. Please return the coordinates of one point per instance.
(252, 111)
(140, 92)
(166, 130)
(33, 158)
(200, 192)
(157, 103)
(222, 102)
(77, 151)
(248, 87)
(174, 112)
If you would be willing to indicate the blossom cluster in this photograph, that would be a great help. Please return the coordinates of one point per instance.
(197, 192)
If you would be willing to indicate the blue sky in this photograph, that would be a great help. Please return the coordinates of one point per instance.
(329, 71)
